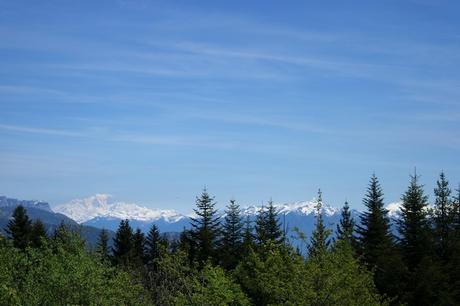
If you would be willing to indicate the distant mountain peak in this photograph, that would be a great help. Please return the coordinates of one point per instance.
(9, 202)
(102, 205)
(394, 209)
(300, 207)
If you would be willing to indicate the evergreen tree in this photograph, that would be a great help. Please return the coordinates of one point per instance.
(272, 225)
(374, 233)
(138, 246)
(19, 228)
(416, 243)
(261, 221)
(231, 235)
(413, 225)
(248, 236)
(123, 243)
(37, 234)
(376, 246)
(268, 228)
(102, 247)
(346, 226)
(442, 216)
(456, 212)
(152, 245)
(206, 227)
(319, 241)
(188, 245)
(453, 266)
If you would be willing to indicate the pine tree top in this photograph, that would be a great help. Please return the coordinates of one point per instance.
(206, 212)
(414, 200)
(443, 205)
(346, 225)
(319, 241)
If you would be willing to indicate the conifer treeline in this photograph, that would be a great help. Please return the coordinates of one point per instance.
(228, 260)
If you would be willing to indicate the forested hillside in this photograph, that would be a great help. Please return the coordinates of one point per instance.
(232, 260)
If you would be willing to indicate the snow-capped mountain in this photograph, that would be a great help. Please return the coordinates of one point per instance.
(394, 209)
(102, 206)
(41, 210)
(102, 211)
(301, 208)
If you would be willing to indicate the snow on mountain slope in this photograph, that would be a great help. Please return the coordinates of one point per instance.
(301, 208)
(101, 205)
(394, 209)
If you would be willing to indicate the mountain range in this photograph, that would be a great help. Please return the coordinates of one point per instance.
(101, 211)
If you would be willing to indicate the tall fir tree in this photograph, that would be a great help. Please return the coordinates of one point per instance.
(102, 246)
(413, 225)
(376, 245)
(138, 247)
(346, 226)
(453, 266)
(417, 246)
(456, 211)
(374, 232)
(248, 236)
(231, 236)
(188, 244)
(123, 243)
(19, 228)
(206, 227)
(37, 234)
(268, 228)
(443, 217)
(319, 241)
(152, 245)
(274, 233)
(260, 223)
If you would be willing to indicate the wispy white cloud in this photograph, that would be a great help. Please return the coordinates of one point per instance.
(109, 135)
(42, 131)
(28, 90)
(259, 120)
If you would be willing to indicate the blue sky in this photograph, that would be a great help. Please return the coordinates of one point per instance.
(151, 100)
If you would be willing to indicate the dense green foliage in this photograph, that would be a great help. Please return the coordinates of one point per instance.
(64, 273)
(231, 261)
